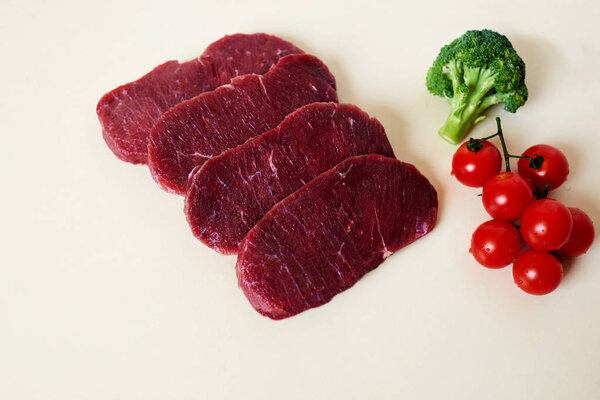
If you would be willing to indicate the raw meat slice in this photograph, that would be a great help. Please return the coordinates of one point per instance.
(324, 237)
(233, 191)
(200, 128)
(128, 112)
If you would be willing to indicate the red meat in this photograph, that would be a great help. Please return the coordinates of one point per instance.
(203, 127)
(323, 238)
(232, 192)
(128, 112)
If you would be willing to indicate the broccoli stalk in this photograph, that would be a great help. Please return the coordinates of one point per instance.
(475, 72)
(467, 106)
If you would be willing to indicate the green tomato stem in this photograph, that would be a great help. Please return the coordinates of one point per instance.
(475, 145)
(504, 149)
(534, 162)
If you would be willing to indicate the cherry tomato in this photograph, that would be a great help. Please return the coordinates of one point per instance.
(581, 237)
(506, 195)
(474, 168)
(537, 272)
(495, 243)
(546, 224)
(554, 169)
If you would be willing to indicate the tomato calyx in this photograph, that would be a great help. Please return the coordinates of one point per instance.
(535, 162)
(542, 193)
(475, 145)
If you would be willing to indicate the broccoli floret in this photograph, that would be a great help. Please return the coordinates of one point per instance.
(474, 72)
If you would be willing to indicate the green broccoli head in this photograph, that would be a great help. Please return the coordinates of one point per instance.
(474, 72)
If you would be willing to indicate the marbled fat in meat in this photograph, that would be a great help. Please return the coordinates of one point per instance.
(192, 132)
(323, 238)
(128, 112)
(232, 191)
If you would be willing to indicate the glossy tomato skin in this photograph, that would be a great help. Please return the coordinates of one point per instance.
(546, 224)
(495, 243)
(474, 168)
(506, 195)
(554, 169)
(537, 272)
(582, 235)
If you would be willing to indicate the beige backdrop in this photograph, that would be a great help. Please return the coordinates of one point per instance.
(105, 294)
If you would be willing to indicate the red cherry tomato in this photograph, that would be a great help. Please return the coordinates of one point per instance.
(546, 224)
(581, 237)
(554, 169)
(474, 168)
(506, 195)
(537, 272)
(495, 243)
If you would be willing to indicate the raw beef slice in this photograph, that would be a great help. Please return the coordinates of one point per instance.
(233, 191)
(200, 128)
(128, 112)
(323, 238)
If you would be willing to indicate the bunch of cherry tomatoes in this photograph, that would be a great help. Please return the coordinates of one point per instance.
(549, 229)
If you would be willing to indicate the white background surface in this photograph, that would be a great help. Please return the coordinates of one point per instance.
(105, 294)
